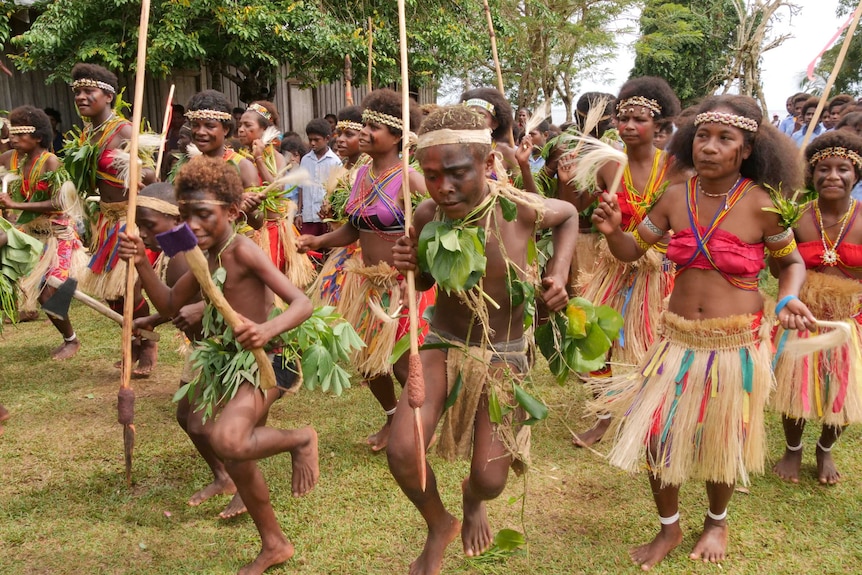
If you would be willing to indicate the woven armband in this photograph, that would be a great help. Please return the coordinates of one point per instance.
(643, 245)
(784, 251)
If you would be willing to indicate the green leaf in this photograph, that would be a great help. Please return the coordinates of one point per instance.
(576, 318)
(509, 539)
(494, 411)
(509, 209)
(610, 320)
(453, 395)
(596, 344)
(535, 408)
(400, 348)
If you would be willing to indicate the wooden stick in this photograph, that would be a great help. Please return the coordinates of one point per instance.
(348, 80)
(497, 67)
(831, 81)
(165, 126)
(370, 50)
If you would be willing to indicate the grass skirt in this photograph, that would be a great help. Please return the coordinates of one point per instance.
(326, 288)
(278, 239)
(105, 275)
(63, 257)
(637, 290)
(586, 255)
(823, 386)
(694, 407)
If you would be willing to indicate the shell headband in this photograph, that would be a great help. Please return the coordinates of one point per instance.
(740, 122)
(348, 125)
(629, 103)
(375, 117)
(91, 83)
(480, 103)
(446, 136)
(836, 152)
(18, 130)
(260, 110)
(209, 115)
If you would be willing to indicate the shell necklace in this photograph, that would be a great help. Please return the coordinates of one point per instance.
(830, 253)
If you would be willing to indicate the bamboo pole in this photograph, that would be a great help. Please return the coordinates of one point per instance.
(166, 124)
(494, 53)
(370, 50)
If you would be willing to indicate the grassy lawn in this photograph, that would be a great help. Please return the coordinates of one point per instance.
(65, 507)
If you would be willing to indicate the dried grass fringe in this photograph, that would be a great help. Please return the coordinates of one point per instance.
(49, 234)
(727, 444)
(823, 386)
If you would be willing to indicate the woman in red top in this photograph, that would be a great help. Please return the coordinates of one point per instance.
(823, 386)
(694, 407)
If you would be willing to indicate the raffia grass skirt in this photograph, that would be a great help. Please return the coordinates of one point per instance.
(327, 286)
(586, 254)
(282, 233)
(823, 386)
(694, 407)
(63, 257)
(105, 275)
(637, 290)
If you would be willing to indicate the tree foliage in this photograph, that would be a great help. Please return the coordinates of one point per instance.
(247, 41)
(849, 79)
(687, 43)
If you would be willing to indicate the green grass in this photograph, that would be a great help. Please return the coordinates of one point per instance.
(65, 508)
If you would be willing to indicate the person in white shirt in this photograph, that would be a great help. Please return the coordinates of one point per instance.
(319, 162)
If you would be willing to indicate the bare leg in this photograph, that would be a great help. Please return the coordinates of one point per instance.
(4, 415)
(790, 463)
(149, 349)
(443, 528)
(384, 391)
(827, 473)
(592, 435)
(71, 344)
(669, 536)
(712, 545)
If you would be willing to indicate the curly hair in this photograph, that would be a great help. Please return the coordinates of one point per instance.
(273, 114)
(653, 88)
(456, 118)
(350, 114)
(211, 100)
(585, 104)
(209, 175)
(773, 158)
(31, 116)
(833, 139)
(502, 109)
(389, 102)
(95, 72)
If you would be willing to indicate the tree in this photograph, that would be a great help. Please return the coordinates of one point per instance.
(849, 79)
(686, 43)
(243, 41)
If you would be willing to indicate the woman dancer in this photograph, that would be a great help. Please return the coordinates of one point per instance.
(694, 407)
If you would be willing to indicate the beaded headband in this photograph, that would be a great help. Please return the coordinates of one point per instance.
(348, 125)
(217, 115)
(18, 130)
(260, 110)
(836, 152)
(158, 205)
(446, 136)
(740, 122)
(480, 103)
(376, 117)
(629, 103)
(91, 83)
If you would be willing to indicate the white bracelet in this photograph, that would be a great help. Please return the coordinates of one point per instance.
(669, 520)
(719, 517)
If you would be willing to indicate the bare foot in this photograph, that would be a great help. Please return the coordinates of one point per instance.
(650, 554)
(66, 350)
(4, 414)
(789, 465)
(827, 473)
(476, 532)
(136, 353)
(712, 545)
(430, 562)
(149, 357)
(306, 469)
(380, 440)
(218, 487)
(592, 435)
(26, 316)
(234, 509)
(267, 558)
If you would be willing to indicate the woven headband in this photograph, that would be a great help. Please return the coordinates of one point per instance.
(629, 103)
(480, 103)
(18, 130)
(91, 83)
(158, 205)
(217, 115)
(740, 122)
(260, 110)
(836, 152)
(375, 117)
(446, 136)
(348, 125)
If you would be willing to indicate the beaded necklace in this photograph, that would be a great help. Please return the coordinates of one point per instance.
(830, 249)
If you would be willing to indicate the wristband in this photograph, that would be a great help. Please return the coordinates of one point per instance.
(783, 303)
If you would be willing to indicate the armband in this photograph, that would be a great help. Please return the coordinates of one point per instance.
(643, 245)
(781, 236)
(653, 228)
(783, 251)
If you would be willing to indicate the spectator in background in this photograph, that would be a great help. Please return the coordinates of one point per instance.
(775, 120)
(293, 148)
(834, 109)
(333, 120)
(237, 118)
(57, 140)
(319, 162)
(539, 136)
(793, 121)
(808, 108)
(663, 132)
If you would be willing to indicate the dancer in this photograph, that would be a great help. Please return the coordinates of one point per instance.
(258, 132)
(497, 111)
(636, 289)
(209, 194)
(694, 407)
(488, 353)
(46, 199)
(376, 219)
(823, 386)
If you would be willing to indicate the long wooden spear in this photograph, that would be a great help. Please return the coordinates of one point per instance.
(415, 379)
(348, 81)
(126, 395)
(497, 67)
(166, 124)
(370, 50)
